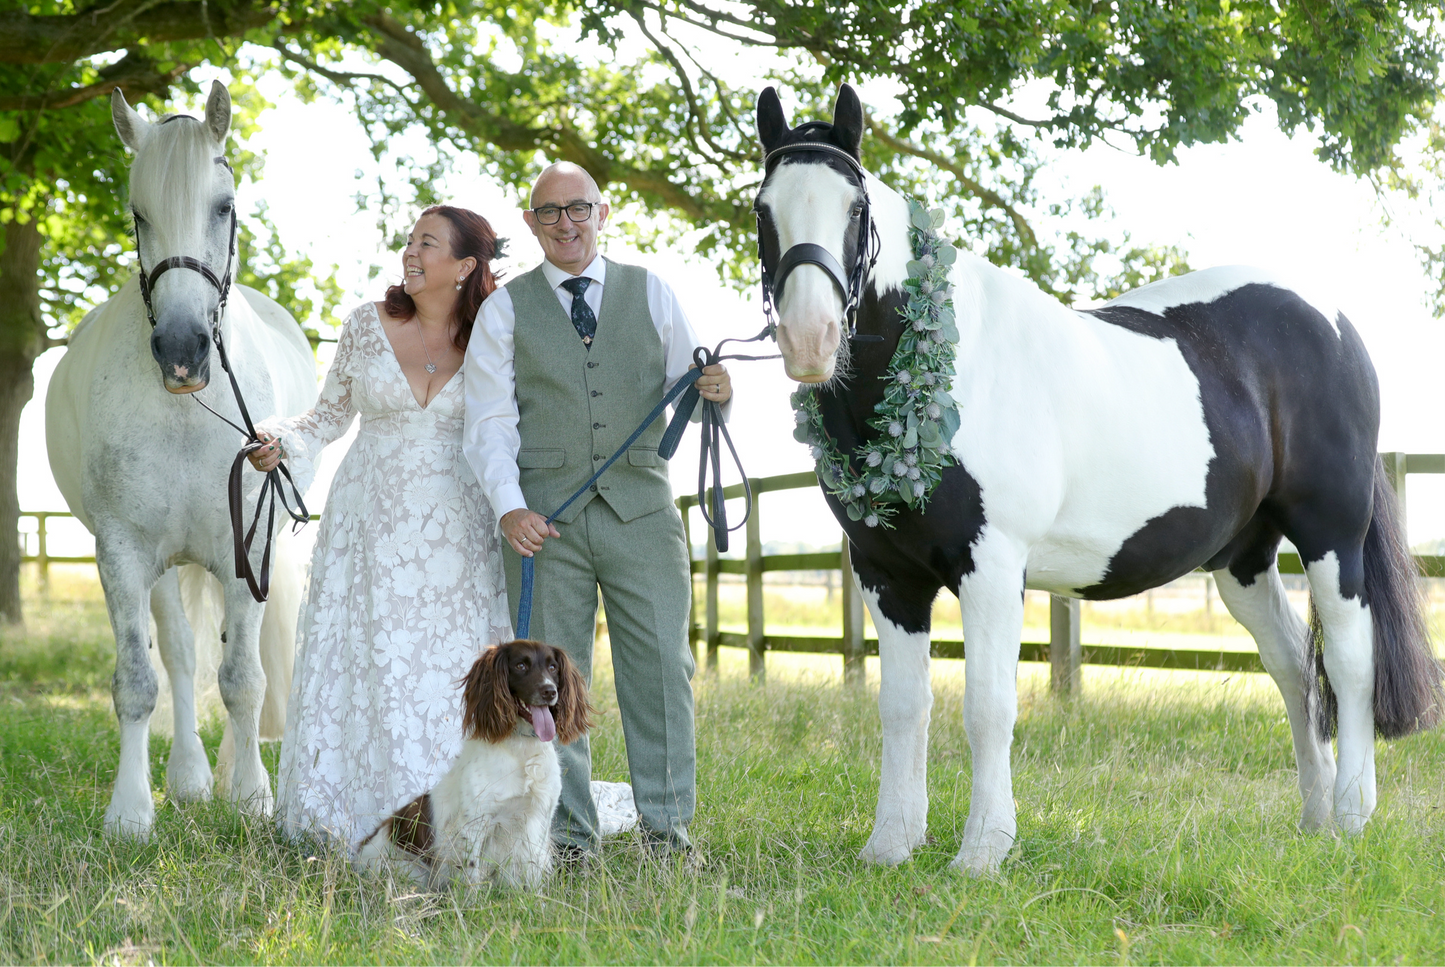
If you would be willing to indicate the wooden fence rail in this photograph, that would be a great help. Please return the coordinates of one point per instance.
(1064, 651)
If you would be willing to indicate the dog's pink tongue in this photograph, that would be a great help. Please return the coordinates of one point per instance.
(542, 722)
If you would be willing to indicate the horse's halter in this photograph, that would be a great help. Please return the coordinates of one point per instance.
(271, 486)
(850, 283)
(221, 285)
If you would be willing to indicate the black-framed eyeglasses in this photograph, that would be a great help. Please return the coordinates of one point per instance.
(576, 212)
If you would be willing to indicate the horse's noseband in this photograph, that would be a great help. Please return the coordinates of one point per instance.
(849, 282)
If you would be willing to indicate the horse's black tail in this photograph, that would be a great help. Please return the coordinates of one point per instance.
(1409, 694)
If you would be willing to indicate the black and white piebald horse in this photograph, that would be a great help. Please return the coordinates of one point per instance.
(1191, 423)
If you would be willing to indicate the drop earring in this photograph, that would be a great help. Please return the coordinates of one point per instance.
(459, 283)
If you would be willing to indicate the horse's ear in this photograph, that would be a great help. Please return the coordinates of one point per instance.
(772, 122)
(218, 112)
(129, 125)
(848, 121)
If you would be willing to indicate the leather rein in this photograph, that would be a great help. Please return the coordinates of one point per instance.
(272, 487)
(849, 282)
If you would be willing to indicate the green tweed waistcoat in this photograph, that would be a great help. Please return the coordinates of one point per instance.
(578, 405)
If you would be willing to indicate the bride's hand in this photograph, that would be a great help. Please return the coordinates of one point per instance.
(265, 457)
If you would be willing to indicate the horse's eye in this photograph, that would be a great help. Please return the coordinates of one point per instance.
(224, 210)
(857, 209)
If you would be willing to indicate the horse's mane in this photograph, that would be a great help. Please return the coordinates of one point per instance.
(173, 176)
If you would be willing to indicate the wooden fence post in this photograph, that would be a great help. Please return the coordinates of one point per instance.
(693, 631)
(1065, 651)
(42, 555)
(853, 646)
(1395, 472)
(711, 630)
(757, 669)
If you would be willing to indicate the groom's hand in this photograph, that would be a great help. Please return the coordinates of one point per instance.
(525, 530)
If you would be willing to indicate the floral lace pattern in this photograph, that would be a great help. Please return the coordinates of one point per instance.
(406, 588)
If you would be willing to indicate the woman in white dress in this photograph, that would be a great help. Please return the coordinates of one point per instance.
(406, 583)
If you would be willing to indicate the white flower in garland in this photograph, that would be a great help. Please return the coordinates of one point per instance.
(917, 416)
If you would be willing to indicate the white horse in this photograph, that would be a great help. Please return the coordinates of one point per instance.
(145, 468)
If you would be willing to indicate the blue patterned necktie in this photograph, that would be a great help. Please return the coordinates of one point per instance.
(582, 318)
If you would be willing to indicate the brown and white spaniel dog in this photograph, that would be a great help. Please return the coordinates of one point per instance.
(488, 820)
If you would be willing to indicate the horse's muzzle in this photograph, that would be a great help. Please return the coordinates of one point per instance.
(184, 356)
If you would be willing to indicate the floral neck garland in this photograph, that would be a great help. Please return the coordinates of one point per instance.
(917, 417)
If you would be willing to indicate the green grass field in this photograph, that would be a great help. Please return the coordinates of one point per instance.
(1156, 825)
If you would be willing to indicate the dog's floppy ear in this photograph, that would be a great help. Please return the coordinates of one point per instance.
(573, 710)
(488, 711)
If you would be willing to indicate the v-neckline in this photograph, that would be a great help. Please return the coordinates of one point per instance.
(386, 337)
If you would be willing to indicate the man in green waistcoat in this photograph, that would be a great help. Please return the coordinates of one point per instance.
(564, 362)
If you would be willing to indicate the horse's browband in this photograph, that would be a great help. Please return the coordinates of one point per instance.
(812, 146)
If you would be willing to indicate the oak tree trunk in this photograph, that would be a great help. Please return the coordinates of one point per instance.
(22, 338)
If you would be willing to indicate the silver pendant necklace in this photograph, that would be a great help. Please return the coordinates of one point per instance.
(431, 367)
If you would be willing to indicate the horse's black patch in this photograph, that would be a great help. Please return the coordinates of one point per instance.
(1292, 411)
(908, 563)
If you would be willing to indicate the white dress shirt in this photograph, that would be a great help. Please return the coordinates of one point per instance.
(491, 439)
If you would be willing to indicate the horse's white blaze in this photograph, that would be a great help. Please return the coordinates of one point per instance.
(905, 700)
(1098, 473)
(1264, 610)
(1207, 285)
(1350, 664)
(810, 203)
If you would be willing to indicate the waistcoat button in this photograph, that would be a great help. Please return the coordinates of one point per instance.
(596, 456)
(596, 393)
(597, 426)
(593, 488)
(591, 364)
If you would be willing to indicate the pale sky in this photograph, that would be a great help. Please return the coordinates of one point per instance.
(1264, 201)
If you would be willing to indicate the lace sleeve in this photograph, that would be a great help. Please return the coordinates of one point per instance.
(303, 437)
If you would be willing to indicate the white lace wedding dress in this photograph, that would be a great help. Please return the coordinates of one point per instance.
(406, 589)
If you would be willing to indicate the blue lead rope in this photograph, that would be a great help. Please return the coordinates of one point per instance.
(712, 428)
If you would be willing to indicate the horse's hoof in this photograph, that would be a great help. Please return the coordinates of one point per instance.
(1315, 817)
(887, 849)
(983, 858)
(189, 782)
(259, 804)
(132, 824)
(188, 789)
(1351, 823)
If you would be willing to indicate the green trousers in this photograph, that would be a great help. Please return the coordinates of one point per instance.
(642, 568)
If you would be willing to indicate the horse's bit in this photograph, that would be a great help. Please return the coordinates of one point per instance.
(850, 283)
(271, 487)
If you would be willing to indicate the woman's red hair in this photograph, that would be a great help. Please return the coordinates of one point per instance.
(472, 237)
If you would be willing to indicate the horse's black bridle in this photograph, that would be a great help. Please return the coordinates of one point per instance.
(259, 584)
(849, 282)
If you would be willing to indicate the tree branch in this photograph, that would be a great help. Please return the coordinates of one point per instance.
(343, 78)
(134, 74)
(986, 195)
(399, 45)
(57, 38)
